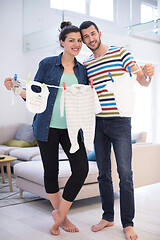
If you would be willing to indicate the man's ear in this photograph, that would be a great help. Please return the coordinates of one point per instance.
(100, 34)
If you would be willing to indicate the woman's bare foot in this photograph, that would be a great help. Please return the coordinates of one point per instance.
(101, 225)
(67, 225)
(129, 233)
(55, 231)
(57, 222)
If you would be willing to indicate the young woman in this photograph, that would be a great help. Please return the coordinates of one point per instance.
(50, 129)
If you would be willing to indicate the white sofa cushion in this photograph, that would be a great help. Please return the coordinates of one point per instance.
(6, 149)
(139, 137)
(62, 156)
(25, 154)
(33, 171)
(37, 158)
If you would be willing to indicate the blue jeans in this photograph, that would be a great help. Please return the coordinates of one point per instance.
(118, 132)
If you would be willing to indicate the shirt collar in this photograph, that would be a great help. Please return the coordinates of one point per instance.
(74, 89)
(59, 62)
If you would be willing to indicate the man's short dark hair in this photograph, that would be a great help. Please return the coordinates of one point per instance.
(87, 24)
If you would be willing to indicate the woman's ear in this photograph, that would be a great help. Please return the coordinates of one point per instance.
(62, 43)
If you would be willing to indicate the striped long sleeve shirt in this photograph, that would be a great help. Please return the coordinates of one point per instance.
(115, 60)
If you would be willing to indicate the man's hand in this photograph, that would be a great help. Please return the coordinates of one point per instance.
(148, 70)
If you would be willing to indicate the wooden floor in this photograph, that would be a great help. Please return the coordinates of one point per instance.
(30, 221)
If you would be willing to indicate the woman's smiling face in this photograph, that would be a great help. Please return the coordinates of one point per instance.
(72, 43)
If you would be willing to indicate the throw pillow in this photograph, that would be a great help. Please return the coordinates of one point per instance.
(91, 156)
(25, 133)
(20, 143)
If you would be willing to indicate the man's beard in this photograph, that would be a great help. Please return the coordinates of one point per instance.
(93, 50)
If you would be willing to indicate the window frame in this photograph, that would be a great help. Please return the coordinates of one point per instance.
(87, 13)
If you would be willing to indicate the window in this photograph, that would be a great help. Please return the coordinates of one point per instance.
(102, 9)
(148, 13)
(69, 5)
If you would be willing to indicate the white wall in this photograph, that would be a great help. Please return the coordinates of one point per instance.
(14, 60)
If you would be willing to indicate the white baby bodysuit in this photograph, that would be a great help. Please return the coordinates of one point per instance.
(81, 104)
(123, 90)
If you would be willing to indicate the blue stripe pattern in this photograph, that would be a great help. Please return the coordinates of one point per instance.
(127, 60)
(106, 62)
(108, 104)
(108, 66)
(113, 48)
(100, 87)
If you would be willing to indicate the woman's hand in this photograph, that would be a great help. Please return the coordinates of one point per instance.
(8, 83)
(11, 83)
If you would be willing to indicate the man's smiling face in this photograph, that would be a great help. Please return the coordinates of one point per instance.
(91, 37)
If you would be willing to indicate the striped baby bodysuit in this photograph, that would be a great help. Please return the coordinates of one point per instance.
(81, 104)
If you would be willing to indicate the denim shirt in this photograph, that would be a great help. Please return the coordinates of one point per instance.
(50, 72)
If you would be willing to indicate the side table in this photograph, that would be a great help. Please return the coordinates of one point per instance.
(6, 163)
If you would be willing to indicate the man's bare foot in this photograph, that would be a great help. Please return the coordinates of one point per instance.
(67, 225)
(101, 225)
(129, 233)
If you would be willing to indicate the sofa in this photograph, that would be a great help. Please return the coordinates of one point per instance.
(14, 143)
(28, 167)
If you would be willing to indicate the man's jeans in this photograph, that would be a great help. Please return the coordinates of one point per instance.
(118, 132)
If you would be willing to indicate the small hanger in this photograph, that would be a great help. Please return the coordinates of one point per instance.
(129, 70)
(110, 75)
(64, 85)
(91, 83)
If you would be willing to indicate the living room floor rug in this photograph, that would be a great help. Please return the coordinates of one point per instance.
(8, 198)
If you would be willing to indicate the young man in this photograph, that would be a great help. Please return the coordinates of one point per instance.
(111, 127)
